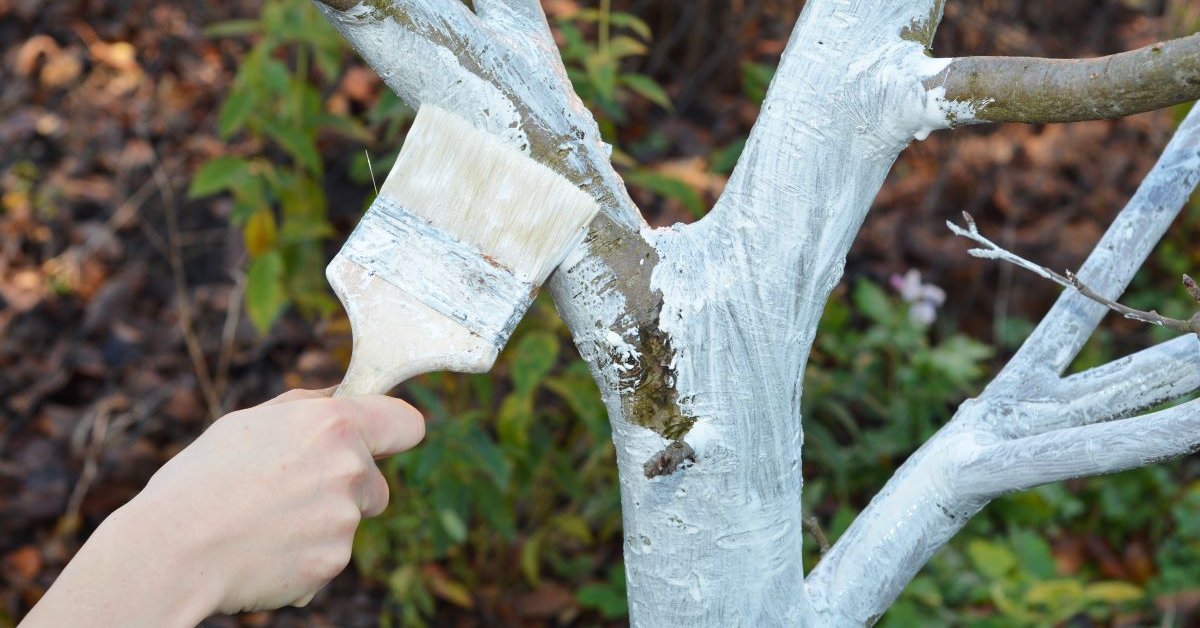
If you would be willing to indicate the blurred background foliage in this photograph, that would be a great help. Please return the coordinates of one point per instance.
(509, 513)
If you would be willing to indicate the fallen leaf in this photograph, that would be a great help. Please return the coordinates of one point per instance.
(23, 563)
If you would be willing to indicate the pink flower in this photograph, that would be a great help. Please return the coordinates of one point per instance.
(923, 298)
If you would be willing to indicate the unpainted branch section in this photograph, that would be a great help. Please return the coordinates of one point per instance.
(1034, 90)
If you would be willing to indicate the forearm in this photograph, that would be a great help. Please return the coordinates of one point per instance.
(127, 575)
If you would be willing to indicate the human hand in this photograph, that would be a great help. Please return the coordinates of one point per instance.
(259, 512)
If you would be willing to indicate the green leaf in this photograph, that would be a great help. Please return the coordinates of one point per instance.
(218, 175)
(621, 47)
(608, 598)
(583, 398)
(265, 294)
(403, 579)
(512, 423)
(250, 194)
(960, 358)
(345, 126)
(648, 89)
(633, 23)
(756, 78)
(533, 357)
(1060, 597)
(602, 73)
(1113, 592)
(1033, 553)
(496, 511)
(485, 455)
(619, 18)
(298, 144)
(453, 525)
(574, 527)
(873, 302)
(926, 590)
(668, 187)
(530, 559)
(371, 546)
(236, 110)
(725, 158)
(232, 28)
(303, 203)
(993, 560)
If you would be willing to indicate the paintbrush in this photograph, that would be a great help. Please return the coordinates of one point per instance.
(451, 253)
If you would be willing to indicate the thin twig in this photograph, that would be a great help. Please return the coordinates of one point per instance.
(96, 423)
(1071, 280)
(813, 527)
(371, 169)
(186, 321)
(229, 334)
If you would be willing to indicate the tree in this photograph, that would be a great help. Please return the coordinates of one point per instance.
(698, 335)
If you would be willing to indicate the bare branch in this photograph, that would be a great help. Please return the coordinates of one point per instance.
(1027, 89)
(992, 250)
(1061, 334)
(813, 526)
(1083, 451)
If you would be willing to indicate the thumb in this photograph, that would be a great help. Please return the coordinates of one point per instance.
(387, 425)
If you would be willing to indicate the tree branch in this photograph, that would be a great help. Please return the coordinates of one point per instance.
(1084, 451)
(1027, 89)
(991, 250)
(1149, 377)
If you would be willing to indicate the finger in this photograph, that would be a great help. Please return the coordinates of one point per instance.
(375, 492)
(387, 425)
(299, 393)
(302, 602)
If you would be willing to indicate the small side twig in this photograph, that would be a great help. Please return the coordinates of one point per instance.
(813, 527)
(182, 296)
(991, 250)
(668, 460)
(229, 335)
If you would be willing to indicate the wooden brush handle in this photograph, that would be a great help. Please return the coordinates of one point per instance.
(397, 337)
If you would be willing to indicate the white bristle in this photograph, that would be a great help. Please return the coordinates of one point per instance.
(516, 211)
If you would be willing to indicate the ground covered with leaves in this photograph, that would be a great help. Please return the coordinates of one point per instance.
(173, 178)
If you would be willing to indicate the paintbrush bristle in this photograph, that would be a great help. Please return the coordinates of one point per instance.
(491, 196)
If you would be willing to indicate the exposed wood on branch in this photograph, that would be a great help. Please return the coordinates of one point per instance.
(1035, 90)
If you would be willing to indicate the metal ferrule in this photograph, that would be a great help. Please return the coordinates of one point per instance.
(439, 270)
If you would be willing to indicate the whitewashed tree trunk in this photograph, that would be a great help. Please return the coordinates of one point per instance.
(700, 333)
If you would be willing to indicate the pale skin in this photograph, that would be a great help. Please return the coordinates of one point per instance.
(258, 513)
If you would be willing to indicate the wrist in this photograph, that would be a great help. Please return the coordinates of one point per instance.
(168, 557)
(128, 574)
